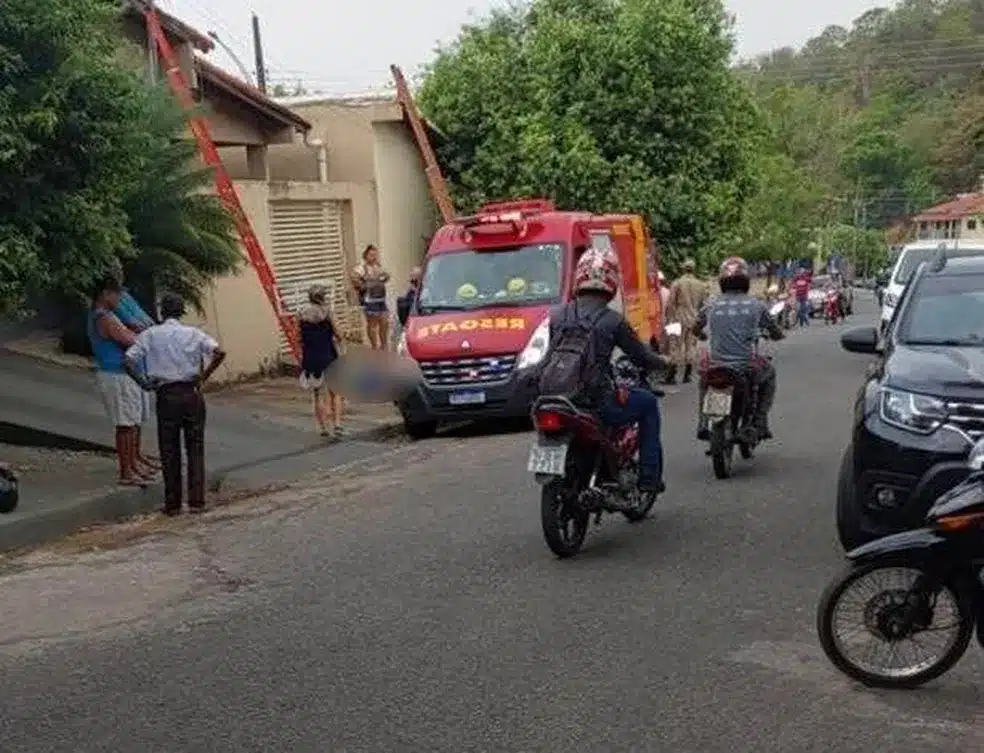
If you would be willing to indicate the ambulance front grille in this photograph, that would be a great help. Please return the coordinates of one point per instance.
(468, 372)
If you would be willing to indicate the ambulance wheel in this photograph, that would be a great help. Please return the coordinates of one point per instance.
(420, 429)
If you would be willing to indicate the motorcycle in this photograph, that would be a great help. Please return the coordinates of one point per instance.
(728, 408)
(936, 566)
(786, 315)
(585, 468)
(832, 307)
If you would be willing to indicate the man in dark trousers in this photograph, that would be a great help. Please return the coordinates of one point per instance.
(178, 359)
(405, 302)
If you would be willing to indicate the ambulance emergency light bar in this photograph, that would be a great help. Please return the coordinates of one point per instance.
(491, 218)
(505, 212)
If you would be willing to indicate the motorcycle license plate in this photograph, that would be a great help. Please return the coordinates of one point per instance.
(547, 458)
(717, 403)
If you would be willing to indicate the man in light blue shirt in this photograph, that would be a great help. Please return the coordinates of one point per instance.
(177, 360)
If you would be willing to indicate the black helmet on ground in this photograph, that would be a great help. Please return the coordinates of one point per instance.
(9, 491)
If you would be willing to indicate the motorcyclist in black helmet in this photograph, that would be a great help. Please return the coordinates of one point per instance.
(736, 320)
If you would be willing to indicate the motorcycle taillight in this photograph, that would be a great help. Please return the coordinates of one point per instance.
(548, 421)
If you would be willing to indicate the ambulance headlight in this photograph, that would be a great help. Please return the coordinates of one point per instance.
(536, 348)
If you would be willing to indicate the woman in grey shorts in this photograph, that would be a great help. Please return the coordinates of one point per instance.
(369, 280)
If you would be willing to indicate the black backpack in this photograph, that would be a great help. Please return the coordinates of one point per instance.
(571, 367)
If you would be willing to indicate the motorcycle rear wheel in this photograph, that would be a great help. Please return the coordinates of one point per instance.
(722, 451)
(565, 524)
(960, 593)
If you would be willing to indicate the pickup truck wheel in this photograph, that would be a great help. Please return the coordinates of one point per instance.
(849, 530)
(418, 430)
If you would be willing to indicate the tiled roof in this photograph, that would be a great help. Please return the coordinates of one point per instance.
(174, 26)
(249, 94)
(215, 76)
(965, 205)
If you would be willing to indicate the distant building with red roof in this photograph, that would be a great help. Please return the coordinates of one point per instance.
(962, 217)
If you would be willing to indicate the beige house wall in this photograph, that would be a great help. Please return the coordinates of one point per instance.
(407, 214)
(237, 312)
(369, 146)
(965, 228)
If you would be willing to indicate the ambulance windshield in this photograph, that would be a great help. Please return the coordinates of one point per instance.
(513, 276)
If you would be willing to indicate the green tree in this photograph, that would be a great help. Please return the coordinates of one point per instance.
(68, 150)
(181, 236)
(282, 90)
(87, 152)
(885, 116)
(603, 105)
(778, 216)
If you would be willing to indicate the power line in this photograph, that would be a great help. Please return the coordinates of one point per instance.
(858, 44)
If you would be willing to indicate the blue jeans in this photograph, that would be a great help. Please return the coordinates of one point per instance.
(642, 408)
(804, 313)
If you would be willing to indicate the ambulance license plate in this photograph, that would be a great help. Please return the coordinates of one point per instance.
(467, 398)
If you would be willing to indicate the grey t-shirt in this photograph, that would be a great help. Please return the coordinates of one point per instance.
(735, 321)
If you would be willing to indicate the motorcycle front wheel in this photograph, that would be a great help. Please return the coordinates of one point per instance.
(869, 603)
(564, 521)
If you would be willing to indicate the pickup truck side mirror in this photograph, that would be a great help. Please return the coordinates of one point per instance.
(861, 340)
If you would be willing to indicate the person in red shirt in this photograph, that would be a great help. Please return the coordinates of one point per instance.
(801, 289)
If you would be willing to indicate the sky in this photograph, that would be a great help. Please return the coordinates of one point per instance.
(347, 47)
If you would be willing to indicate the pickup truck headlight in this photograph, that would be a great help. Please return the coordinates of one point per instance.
(537, 346)
(907, 410)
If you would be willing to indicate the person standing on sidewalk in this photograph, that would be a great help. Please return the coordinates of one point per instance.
(404, 304)
(687, 296)
(179, 359)
(321, 344)
(121, 395)
(369, 279)
(131, 313)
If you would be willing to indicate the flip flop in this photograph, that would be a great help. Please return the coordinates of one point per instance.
(138, 482)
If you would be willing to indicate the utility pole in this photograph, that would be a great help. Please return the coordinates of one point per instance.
(258, 52)
(858, 209)
(152, 64)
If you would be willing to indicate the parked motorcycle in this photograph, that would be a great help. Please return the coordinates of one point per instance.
(585, 468)
(787, 314)
(730, 400)
(901, 584)
(833, 310)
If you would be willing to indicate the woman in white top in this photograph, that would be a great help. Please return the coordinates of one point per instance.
(369, 279)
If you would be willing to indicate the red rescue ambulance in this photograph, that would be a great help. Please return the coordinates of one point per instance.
(488, 284)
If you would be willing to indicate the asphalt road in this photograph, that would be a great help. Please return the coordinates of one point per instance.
(409, 604)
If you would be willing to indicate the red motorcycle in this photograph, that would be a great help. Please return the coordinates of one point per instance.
(584, 468)
(832, 309)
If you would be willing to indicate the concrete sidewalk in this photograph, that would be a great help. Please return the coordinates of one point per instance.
(62, 492)
(250, 442)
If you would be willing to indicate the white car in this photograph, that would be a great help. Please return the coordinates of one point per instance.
(909, 259)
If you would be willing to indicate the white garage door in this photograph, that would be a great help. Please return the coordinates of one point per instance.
(306, 248)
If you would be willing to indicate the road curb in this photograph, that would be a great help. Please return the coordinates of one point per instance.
(116, 505)
(99, 507)
(18, 347)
